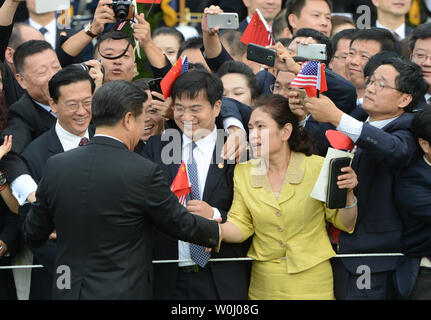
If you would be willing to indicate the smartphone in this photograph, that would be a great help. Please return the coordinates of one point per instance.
(301, 95)
(336, 197)
(260, 54)
(227, 20)
(314, 51)
(42, 6)
(154, 85)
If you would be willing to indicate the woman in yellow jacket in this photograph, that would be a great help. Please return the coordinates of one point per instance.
(272, 203)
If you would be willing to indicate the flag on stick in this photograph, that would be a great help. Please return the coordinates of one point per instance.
(180, 186)
(178, 68)
(258, 31)
(312, 78)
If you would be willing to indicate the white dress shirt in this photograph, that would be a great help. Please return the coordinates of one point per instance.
(353, 128)
(51, 34)
(203, 155)
(24, 185)
(401, 30)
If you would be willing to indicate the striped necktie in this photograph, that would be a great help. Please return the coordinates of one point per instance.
(197, 252)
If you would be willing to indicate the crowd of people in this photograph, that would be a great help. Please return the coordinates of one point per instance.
(93, 161)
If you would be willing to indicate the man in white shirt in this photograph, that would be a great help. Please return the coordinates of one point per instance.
(197, 102)
(71, 91)
(391, 15)
(385, 148)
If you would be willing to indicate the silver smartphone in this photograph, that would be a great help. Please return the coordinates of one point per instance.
(42, 6)
(314, 51)
(226, 20)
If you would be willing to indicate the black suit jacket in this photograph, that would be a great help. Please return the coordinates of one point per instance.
(104, 201)
(35, 156)
(382, 155)
(231, 278)
(26, 122)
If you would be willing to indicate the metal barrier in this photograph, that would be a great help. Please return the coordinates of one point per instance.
(353, 255)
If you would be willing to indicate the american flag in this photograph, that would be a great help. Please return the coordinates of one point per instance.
(311, 77)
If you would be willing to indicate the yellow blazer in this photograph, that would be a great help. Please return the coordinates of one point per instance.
(292, 226)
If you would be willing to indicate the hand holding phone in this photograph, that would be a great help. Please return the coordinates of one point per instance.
(261, 54)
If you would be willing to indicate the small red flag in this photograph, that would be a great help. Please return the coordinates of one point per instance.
(148, 1)
(180, 186)
(339, 140)
(256, 32)
(168, 81)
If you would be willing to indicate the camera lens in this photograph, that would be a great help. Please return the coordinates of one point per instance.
(121, 11)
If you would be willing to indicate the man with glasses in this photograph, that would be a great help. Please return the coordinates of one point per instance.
(71, 91)
(420, 47)
(341, 45)
(385, 148)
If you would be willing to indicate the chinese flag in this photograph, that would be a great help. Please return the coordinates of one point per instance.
(256, 32)
(148, 1)
(180, 186)
(168, 81)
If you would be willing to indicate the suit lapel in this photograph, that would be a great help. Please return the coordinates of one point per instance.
(54, 144)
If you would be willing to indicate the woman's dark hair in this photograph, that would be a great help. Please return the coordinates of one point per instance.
(278, 108)
(169, 31)
(241, 68)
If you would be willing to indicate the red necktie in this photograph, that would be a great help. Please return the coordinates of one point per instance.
(83, 142)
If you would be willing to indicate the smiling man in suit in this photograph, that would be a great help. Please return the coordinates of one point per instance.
(385, 148)
(104, 201)
(197, 98)
(71, 90)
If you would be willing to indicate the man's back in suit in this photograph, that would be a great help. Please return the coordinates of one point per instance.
(104, 201)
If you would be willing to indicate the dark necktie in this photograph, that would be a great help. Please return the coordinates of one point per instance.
(197, 252)
(43, 30)
(83, 142)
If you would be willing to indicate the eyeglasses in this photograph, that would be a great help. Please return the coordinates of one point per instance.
(378, 84)
(420, 57)
(73, 106)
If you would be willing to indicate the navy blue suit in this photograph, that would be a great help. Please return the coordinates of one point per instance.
(413, 196)
(231, 279)
(382, 155)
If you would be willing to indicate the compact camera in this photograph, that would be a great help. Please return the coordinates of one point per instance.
(122, 9)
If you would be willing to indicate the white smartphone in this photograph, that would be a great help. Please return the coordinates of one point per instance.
(42, 6)
(226, 20)
(314, 51)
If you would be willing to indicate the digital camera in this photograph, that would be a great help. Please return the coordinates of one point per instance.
(122, 9)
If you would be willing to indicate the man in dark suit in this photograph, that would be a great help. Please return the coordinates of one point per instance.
(269, 10)
(71, 91)
(385, 148)
(35, 62)
(419, 43)
(106, 186)
(413, 196)
(197, 101)
(392, 16)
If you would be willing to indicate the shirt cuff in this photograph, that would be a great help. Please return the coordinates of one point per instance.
(22, 187)
(231, 121)
(216, 213)
(350, 127)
